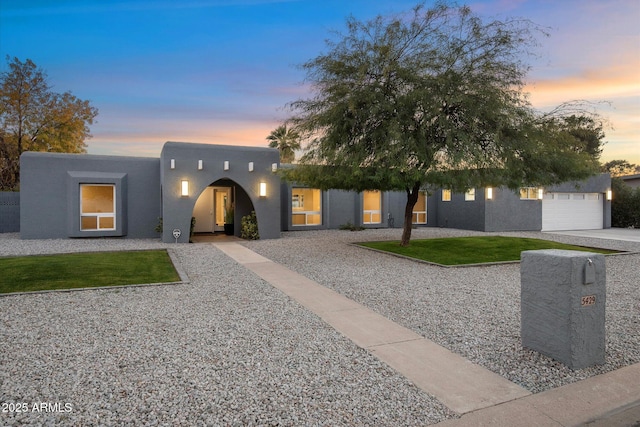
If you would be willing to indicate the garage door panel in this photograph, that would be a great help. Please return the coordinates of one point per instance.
(572, 211)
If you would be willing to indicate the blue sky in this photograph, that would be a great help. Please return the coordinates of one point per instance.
(222, 71)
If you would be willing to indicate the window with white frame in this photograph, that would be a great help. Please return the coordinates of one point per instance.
(446, 195)
(97, 207)
(528, 193)
(306, 206)
(420, 209)
(371, 207)
(470, 195)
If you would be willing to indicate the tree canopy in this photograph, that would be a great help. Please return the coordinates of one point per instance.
(620, 168)
(431, 99)
(34, 118)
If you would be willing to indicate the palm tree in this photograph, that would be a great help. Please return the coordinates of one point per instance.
(286, 140)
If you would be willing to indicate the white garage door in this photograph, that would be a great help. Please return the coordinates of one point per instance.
(572, 211)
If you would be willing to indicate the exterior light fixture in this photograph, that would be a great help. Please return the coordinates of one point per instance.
(173, 163)
(226, 165)
(250, 166)
(489, 193)
(200, 165)
(540, 193)
(274, 167)
(184, 188)
(263, 189)
(609, 195)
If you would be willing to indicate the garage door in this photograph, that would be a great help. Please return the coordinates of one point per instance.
(572, 211)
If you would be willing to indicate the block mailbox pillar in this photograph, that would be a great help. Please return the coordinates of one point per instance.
(563, 295)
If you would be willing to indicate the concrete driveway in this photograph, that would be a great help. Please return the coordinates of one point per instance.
(626, 234)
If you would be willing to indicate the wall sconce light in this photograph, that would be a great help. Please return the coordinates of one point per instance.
(540, 193)
(489, 193)
(226, 165)
(263, 189)
(200, 165)
(274, 167)
(609, 195)
(173, 163)
(184, 188)
(250, 166)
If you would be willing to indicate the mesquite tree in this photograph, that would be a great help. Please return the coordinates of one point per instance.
(429, 99)
(34, 118)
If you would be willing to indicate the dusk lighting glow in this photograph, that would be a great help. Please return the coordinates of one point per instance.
(223, 72)
(184, 188)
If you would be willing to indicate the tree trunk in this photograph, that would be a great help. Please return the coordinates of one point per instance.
(412, 198)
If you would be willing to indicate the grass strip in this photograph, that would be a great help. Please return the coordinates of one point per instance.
(85, 270)
(473, 250)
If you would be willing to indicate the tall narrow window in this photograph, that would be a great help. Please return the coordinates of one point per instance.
(97, 207)
(371, 207)
(420, 209)
(446, 195)
(306, 206)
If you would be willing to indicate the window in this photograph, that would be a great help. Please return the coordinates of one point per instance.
(529, 193)
(97, 207)
(371, 207)
(306, 206)
(420, 209)
(446, 195)
(470, 195)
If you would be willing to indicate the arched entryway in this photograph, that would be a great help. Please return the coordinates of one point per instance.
(220, 207)
(245, 175)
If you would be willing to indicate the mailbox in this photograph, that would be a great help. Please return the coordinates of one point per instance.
(563, 296)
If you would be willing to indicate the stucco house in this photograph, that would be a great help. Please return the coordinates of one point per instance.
(76, 195)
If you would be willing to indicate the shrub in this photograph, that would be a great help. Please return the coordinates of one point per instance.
(159, 227)
(625, 206)
(192, 229)
(351, 227)
(249, 225)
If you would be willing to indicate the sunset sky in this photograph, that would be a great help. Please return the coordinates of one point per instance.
(222, 71)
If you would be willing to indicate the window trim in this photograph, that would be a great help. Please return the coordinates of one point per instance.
(77, 178)
(306, 213)
(371, 212)
(531, 193)
(99, 215)
(470, 195)
(416, 214)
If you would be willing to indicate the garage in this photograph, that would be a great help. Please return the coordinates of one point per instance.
(572, 211)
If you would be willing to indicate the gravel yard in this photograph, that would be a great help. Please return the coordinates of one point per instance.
(228, 349)
(225, 349)
(473, 311)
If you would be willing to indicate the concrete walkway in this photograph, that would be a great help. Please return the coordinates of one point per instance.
(479, 395)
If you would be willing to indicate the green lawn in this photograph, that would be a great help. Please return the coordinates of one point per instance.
(472, 250)
(85, 270)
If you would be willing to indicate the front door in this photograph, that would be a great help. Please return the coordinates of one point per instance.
(210, 209)
(222, 200)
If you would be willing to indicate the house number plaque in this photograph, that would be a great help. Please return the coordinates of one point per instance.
(588, 300)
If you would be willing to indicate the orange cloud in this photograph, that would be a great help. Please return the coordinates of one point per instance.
(615, 92)
(149, 144)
